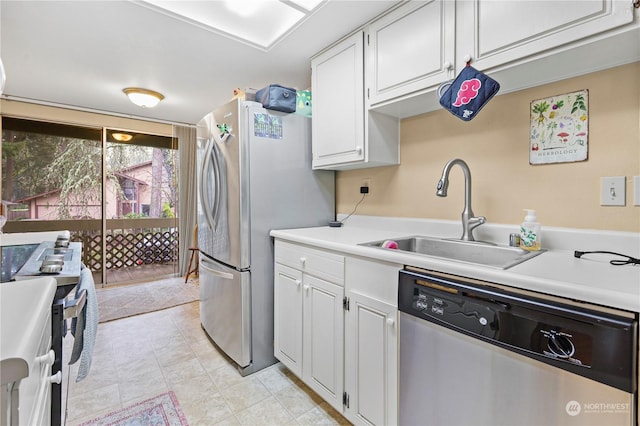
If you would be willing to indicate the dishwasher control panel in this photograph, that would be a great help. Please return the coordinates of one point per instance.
(594, 344)
(458, 311)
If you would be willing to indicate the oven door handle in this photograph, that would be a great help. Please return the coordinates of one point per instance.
(73, 307)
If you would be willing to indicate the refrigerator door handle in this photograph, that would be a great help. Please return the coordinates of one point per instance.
(215, 272)
(216, 174)
(210, 216)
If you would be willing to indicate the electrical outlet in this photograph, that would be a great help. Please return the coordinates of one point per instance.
(365, 186)
(636, 190)
(613, 191)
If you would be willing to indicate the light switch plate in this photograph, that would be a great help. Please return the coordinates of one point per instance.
(636, 190)
(613, 191)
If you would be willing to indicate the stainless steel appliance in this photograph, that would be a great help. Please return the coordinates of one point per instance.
(71, 259)
(254, 176)
(475, 353)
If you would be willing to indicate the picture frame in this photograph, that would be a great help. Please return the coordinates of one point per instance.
(559, 129)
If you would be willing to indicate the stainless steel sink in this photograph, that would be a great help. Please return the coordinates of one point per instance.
(475, 252)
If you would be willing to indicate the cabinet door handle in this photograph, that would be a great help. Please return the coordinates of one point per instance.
(47, 358)
(391, 322)
(56, 378)
(303, 260)
(359, 149)
(298, 282)
(306, 288)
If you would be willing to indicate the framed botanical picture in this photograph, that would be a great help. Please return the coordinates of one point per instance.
(559, 128)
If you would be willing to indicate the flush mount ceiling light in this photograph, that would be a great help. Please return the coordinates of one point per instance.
(258, 23)
(122, 137)
(144, 98)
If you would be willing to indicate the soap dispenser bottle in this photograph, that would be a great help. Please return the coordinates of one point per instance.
(530, 231)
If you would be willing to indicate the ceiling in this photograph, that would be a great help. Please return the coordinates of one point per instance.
(82, 54)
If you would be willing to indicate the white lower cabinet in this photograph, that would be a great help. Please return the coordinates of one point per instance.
(371, 341)
(288, 317)
(335, 327)
(371, 361)
(322, 339)
(309, 318)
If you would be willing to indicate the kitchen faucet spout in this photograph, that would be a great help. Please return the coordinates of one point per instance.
(469, 221)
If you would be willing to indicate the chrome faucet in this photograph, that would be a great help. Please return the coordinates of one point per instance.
(469, 221)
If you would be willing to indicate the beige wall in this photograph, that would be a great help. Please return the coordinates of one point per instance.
(495, 146)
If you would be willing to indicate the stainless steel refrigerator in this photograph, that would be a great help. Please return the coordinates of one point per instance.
(254, 175)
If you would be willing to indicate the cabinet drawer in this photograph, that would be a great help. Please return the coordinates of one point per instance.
(322, 264)
(375, 279)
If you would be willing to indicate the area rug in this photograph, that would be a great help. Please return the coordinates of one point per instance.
(162, 410)
(125, 301)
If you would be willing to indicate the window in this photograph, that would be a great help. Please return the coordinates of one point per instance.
(52, 179)
(50, 171)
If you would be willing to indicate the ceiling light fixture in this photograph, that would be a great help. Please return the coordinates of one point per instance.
(122, 137)
(144, 98)
(244, 8)
(258, 23)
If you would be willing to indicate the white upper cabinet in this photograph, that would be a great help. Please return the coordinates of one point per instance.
(409, 49)
(361, 89)
(519, 43)
(496, 32)
(343, 135)
(338, 104)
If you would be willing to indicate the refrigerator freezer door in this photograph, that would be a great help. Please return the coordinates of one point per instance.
(225, 303)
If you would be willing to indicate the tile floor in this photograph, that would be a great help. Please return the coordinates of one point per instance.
(139, 357)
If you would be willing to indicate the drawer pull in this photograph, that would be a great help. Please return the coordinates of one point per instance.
(303, 260)
(47, 358)
(56, 378)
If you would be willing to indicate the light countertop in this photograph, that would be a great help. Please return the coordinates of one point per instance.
(556, 271)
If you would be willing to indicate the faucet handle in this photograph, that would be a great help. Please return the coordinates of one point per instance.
(476, 221)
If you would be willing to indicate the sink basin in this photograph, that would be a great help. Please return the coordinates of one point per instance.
(475, 252)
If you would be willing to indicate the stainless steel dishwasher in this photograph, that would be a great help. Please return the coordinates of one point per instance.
(475, 353)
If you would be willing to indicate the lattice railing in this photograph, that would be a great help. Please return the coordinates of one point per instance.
(129, 242)
(129, 249)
